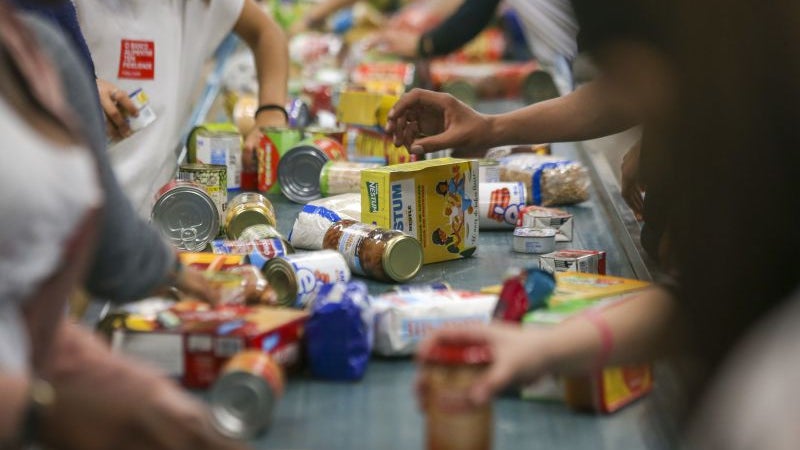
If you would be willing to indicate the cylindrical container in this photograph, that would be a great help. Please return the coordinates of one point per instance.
(218, 144)
(295, 278)
(299, 169)
(261, 232)
(449, 371)
(146, 114)
(299, 113)
(488, 171)
(386, 255)
(243, 398)
(248, 209)
(342, 177)
(186, 215)
(213, 178)
(337, 134)
(500, 204)
(274, 144)
(534, 240)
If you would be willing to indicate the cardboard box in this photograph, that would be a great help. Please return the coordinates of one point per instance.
(371, 144)
(540, 217)
(572, 286)
(584, 261)
(366, 109)
(436, 201)
(196, 351)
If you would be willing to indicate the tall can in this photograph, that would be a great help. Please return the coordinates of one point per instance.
(500, 204)
(243, 398)
(214, 180)
(299, 169)
(186, 215)
(219, 144)
(296, 278)
(342, 177)
(248, 209)
(275, 142)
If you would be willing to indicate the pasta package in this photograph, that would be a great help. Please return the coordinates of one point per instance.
(549, 180)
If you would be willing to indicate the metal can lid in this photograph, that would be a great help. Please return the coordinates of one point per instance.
(280, 274)
(402, 258)
(187, 216)
(450, 353)
(198, 167)
(241, 404)
(298, 173)
(535, 232)
(244, 219)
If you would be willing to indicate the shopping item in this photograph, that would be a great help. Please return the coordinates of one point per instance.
(246, 210)
(296, 278)
(337, 133)
(366, 109)
(549, 180)
(342, 177)
(488, 171)
(275, 142)
(220, 144)
(370, 145)
(214, 180)
(381, 254)
(584, 286)
(299, 113)
(534, 240)
(258, 251)
(586, 261)
(299, 169)
(314, 220)
(540, 217)
(186, 215)
(500, 204)
(146, 114)
(435, 201)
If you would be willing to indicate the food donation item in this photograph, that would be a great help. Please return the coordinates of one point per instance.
(341, 177)
(434, 200)
(146, 114)
(275, 142)
(500, 204)
(402, 319)
(186, 215)
(367, 109)
(210, 261)
(243, 398)
(248, 209)
(385, 255)
(370, 145)
(299, 169)
(296, 278)
(549, 180)
(258, 251)
(220, 144)
(448, 371)
(586, 261)
(214, 180)
(488, 171)
(339, 332)
(541, 217)
(316, 217)
(534, 240)
(299, 113)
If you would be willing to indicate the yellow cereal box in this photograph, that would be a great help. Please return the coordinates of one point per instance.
(434, 200)
(364, 108)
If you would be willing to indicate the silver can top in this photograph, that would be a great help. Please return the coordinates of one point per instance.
(187, 216)
(298, 173)
(241, 405)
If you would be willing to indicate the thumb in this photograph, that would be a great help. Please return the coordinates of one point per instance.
(441, 141)
(495, 378)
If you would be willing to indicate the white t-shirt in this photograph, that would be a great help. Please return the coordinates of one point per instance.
(160, 46)
(550, 28)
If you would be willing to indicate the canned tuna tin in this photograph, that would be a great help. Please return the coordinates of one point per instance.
(342, 177)
(243, 398)
(186, 215)
(299, 169)
(295, 278)
(213, 178)
(218, 144)
(246, 210)
(534, 240)
(488, 171)
(146, 115)
(500, 204)
(275, 142)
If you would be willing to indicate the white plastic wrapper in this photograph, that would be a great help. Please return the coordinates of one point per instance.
(549, 180)
(403, 319)
(317, 216)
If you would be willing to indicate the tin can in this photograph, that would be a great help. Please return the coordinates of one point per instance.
(275, 142)
(146, 114)
(299, 113)
(337, 134)
(488, 171)
(213, 178)
(219, 144)
(540, 217)
(300, 168)
(248, 209)
(500, 204)
(186, 215)
(243, 398)
(342, 177)
(534, 240)
(296, 278)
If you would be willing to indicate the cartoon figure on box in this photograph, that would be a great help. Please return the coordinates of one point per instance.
(457, 203)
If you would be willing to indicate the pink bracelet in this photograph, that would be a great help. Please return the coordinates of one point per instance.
(600, 323)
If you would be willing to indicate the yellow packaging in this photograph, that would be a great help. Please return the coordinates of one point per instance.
(572, 286)
(364, 108)
(433, 200)
(371, 143)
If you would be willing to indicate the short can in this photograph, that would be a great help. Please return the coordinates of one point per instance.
(275, 142)
(186, 215)
(248, 209)
(534, 240)
(212, 177)
(146, 114)
(219, 144)
(243, 398)
(299, 169)
(500, 204)
(488, 171)
(296, 278)
(342, 177)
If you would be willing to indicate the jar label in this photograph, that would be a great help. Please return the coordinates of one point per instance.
(350, 242)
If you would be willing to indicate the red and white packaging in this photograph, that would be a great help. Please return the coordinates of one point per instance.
(585, 261)
(541, 217)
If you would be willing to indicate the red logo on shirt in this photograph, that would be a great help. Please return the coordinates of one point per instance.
(137, 60)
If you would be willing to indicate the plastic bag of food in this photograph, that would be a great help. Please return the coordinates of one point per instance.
(339, 332)
(317, 216)
(549, 180)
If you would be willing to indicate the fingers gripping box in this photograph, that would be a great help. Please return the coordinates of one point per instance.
(435, 200)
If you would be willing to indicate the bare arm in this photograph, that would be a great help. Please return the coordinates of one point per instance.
(14, 392)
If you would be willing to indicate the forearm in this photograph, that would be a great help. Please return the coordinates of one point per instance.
(586, 113)
(458, 29)
(14, 392)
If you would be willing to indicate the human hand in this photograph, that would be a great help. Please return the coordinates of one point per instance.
(402, 43)
(116, 106)
(425, 121)
(265, 119)
(517, 355)
(192, 282)
(631, 184)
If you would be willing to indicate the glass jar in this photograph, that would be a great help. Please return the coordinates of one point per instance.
(342, 177)
(452, 423)
(385, 255)
(248, 209)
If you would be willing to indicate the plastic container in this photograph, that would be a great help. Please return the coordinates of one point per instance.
(534, 240)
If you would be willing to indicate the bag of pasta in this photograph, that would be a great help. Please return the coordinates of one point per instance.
(549, 180)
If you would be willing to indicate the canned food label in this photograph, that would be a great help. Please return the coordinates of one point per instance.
(213, 182)
(258, 251)
(268, 157)
(350, 242)
(225, 151)
(500, 204)
(333, 149)
(312, 272)
(146, 115)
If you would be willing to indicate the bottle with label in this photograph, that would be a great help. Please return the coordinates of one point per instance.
(385, 255)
